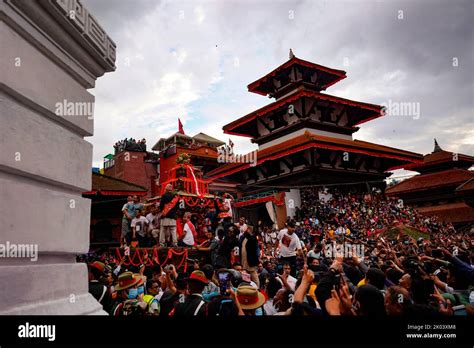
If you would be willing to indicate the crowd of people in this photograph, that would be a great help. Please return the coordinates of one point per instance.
(130, 144)
(338, 255)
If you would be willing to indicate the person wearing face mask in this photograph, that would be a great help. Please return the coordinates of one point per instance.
(127, 300)
(140, 287)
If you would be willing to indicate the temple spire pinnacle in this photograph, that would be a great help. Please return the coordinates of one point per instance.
(292, 55)
(436, 146)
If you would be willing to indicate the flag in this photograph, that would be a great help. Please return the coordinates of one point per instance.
(231, 144)
(180, 127)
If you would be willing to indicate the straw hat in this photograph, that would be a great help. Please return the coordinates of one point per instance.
(249, 297)
(126, 280)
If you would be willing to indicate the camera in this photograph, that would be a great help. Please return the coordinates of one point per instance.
(337, 282)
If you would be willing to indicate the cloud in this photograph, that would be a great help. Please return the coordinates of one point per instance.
(193, 60)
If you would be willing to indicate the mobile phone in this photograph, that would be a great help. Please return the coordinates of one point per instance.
(460, 310)
(337, 282)
(224, 278)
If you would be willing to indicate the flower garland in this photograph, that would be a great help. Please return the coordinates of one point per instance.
(201, 202)
(183, 158)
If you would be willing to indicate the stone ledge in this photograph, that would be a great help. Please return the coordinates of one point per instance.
(6, 91)
(51, 86)
(85, 304)
(32, 144)
(48, 25)
(59, 289)
(54, 220)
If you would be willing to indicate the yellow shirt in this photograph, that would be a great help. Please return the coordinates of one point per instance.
(312, 289)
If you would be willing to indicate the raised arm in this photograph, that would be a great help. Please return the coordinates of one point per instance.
(306, 281)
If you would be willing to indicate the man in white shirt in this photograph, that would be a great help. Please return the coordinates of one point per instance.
(315, 253)
(139, 229)
(242, 226)
(187, 239)
(289, 245)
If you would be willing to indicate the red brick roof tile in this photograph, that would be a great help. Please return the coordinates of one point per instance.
(454, 212)
(308, 140)
(108, 185)
(428, 181)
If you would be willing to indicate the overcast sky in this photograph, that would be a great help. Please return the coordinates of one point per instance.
(194, 60)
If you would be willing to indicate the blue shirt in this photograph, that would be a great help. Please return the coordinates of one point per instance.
(132, 209)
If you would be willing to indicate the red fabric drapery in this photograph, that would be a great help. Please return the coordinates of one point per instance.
(137, 257)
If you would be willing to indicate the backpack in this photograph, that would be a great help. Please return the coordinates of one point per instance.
(149, 299)
(134, 307)
(221, 306)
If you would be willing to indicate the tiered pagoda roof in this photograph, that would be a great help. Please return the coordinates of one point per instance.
(440, 159)
(439, 169)
(294, 73)
(310, 140)
(305, 136)
(357, 113)
(298, 83)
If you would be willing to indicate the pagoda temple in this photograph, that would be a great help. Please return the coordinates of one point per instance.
(444, 187)
(305, 137)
